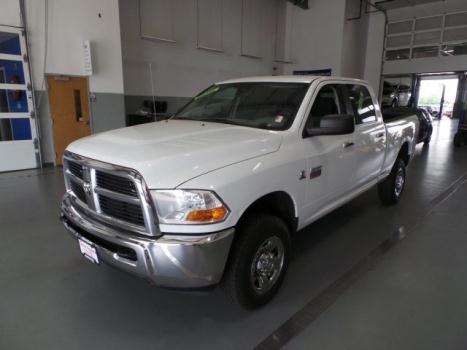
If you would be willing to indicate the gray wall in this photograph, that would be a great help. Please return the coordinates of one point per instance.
(107, 111)
(45, 127)
(133, 103)
(354, 42)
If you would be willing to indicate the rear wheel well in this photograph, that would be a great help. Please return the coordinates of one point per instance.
(404, 153)
(279, 204)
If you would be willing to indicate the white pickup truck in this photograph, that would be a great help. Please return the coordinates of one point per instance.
(214, 194)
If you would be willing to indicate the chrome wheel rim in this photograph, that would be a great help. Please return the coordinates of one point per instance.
(267, 265)
(400, 180)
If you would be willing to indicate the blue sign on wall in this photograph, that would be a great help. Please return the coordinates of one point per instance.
(323, 72)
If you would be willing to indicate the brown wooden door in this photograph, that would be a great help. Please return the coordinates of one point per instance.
(69, 105)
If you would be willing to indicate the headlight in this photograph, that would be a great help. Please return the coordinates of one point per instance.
(188, 207)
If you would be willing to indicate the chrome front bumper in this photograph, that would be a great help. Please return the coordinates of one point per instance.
(173, 261)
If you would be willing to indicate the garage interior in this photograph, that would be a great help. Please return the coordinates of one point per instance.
(365, 276)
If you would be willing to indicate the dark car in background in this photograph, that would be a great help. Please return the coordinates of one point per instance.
(432, 111)
(424, 117)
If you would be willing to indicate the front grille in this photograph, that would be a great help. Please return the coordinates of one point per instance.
(75, 168)
(122, 210)
(116, 183)
(115, 195)
(78, 191)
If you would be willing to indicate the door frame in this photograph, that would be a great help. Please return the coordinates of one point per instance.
(88, 97)
(28, 89)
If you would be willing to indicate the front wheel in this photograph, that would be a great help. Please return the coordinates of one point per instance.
(258, 261)
(427, 139)
(391, 189)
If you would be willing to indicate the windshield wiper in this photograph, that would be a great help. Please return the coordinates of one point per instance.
(211, 120)
(183, 118)
(220, 120)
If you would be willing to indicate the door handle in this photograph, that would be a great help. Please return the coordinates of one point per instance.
(83, 121)
(380, 135)
(348, 144)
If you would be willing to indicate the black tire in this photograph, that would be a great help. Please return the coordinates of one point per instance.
(459, 139)
(238, 281)
(428, 136)
(390, 190)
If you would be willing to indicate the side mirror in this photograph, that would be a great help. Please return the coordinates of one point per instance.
(334, 124)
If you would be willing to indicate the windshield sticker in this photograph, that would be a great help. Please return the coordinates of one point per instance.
(278, 119)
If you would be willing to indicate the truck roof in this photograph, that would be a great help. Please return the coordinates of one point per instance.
(287, 79)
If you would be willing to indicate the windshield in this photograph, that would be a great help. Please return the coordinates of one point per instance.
(271, 106)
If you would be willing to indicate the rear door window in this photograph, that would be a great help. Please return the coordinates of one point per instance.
(361, 104)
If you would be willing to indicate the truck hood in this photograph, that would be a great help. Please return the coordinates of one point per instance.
(168, 153)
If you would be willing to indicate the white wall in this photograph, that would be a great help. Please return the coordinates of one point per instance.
(10, 13)
(71, 22)
(374, 49)
(182, 70)
(354, 42)
(317, 36)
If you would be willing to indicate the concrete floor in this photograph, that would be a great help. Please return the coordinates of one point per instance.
(414, 297)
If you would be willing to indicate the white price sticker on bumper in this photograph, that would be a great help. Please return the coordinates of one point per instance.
(88, 251)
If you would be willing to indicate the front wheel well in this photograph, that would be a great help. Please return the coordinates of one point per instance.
(277, 203)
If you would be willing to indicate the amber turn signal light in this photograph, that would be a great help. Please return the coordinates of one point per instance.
(208, 215)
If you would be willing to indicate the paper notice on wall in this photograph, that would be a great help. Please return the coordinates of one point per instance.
(87, 58)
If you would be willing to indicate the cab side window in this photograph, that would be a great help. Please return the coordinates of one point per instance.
(327, 102)
(361, 104)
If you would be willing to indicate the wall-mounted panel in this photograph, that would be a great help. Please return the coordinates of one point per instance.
(252, 21)
(209, 24)
(156, 19)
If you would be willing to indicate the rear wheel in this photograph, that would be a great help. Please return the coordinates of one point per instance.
(258, 261)
(391, 189)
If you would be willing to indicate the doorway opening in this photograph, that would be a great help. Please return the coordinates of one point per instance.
(438, 95)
